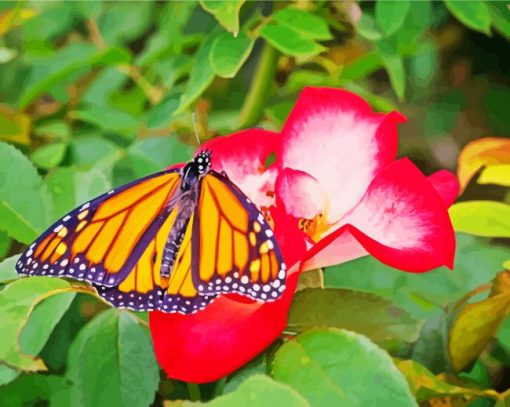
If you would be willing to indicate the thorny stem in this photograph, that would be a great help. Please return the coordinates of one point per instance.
(256, 98)
(154, 94)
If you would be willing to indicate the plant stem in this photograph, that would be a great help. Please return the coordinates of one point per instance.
(194, 392)
(255, 100)
(220, 385)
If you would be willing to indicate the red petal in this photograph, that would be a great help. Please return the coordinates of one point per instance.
(447, 185)
(243, 156)
(221, 338)
(401, 220)
(334, 136)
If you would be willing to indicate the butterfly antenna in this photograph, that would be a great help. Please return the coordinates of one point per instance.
(193, 117)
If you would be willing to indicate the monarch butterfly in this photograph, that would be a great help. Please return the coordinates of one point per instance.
(172, 241)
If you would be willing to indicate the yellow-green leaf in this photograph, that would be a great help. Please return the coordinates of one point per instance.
(14, 126)
(474, 327)
(17, 302)
(480, 153)
(425, 385)
(496, 174)
(481, 218)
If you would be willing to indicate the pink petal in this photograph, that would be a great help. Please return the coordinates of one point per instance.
(242, 156)
(447, 185)
(336, 248)
(300, 193)
(334, 136)
(403, 221)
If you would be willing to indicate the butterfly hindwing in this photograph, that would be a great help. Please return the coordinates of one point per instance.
(235, 248)
(101, 241)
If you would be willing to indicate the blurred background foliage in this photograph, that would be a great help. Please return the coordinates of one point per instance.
(95, 94)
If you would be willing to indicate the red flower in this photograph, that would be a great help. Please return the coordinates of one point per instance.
(334, 193)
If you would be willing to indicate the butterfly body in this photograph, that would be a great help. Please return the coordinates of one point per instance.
(172, 241)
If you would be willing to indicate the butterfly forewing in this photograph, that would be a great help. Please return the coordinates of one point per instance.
(102, 240)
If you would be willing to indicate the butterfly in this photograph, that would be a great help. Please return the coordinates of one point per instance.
(172, 241)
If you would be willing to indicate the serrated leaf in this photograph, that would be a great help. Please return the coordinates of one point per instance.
(225, 11)
(473, 14)
(228, 53)
(391, 14)
(117, 346)
(289, 41)
(364, 313)
(307, 24)
(481, 218)
(474, 327)
(18, 300)
(24, 202)
(336, 367)
(258, 391)
(50, 155)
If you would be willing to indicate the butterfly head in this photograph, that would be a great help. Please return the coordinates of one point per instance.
(195, 169)
(202, 162)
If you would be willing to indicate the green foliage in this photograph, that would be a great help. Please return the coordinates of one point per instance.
(95, 94)
(332, 366)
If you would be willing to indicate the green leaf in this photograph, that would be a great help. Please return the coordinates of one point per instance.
(474, 327)
(18, 300)
(423, 294)
(367, 28)
(77, 57)
(394, 65)
(228, 53)
(161, 115)
(225, 11)
(50, 155)
(24, 202)
(73, 186)
(500, 16)
(35, 389)
(89, 149)
(473, 14)
(258, 391)
(109, 118)
(336, 367)
(289, 41)
(367, 314)
(481, 218)
(113, 345)
(258, 366)
(307, 24)
(55, 129)
(14, 126)
(7, 271)
(155, 154)
(201, 75)
(125, 22)
(391, 14)
(5, 244)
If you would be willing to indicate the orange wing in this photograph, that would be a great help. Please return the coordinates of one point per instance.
(234, 249)
(101, 241)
